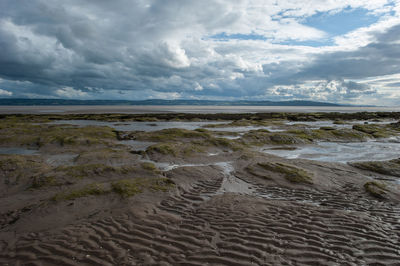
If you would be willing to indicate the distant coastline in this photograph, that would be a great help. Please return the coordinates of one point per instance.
(159, 102)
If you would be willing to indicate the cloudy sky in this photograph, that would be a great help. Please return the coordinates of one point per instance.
(344, 51)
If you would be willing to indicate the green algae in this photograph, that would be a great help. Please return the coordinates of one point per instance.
(375, 189)
(253, 171)
(149, 166)
(253, 121)
(42, 181)
(377, 131)
(101, 154)
(391, 167)
(193, 146)
(130, 187)
(163, 148)
(85, 170)
(16, 168)
(29, 134)
(152, 117)
(172, 134)
(328, 134)
(289, 139)
(93, 189)
(291, 173)
(97, 169)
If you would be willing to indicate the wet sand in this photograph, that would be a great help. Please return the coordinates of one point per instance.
(206, 225)
(226, 208)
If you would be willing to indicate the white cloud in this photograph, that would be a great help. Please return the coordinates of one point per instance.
(322, 90)
(5, 93)
(198, 87)
(365, 35)
(69, 92)
(173, 55)
(166, 95)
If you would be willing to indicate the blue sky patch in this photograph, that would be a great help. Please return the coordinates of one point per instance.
(342, 22)
(223, 36)
(312, 43)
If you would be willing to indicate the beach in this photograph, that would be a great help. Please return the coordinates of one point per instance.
(109, 187)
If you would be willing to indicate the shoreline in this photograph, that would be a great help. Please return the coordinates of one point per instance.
(168, 116)
(197, 109)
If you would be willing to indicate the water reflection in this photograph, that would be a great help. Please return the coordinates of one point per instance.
(136, 126)
(242, 129)
(18, 151)
(155, 126)
(137, 145)
(330, 123)
(341, 152)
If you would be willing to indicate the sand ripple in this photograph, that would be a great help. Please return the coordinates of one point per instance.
(199, 226)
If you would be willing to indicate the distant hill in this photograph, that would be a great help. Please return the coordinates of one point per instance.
(10, 101)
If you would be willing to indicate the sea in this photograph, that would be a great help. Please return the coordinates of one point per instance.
(139, 109)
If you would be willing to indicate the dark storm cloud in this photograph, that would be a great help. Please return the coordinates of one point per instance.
(381, 57)
(122, 45)
(375, 59)
(88, 47)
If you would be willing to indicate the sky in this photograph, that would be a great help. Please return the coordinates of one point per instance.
(322, 50)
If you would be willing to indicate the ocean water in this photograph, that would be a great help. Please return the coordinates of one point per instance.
(132, 109)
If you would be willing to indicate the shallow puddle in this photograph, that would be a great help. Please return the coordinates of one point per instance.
(169, 166)
(230, 137)
(231, 183)
(247, 129)
(136, 144)
(61, 159)
(155, 126)
(342, 152)
(330, 123)
(136, 126)
(18, 151)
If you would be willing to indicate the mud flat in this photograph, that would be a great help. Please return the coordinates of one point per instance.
(94, 194)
